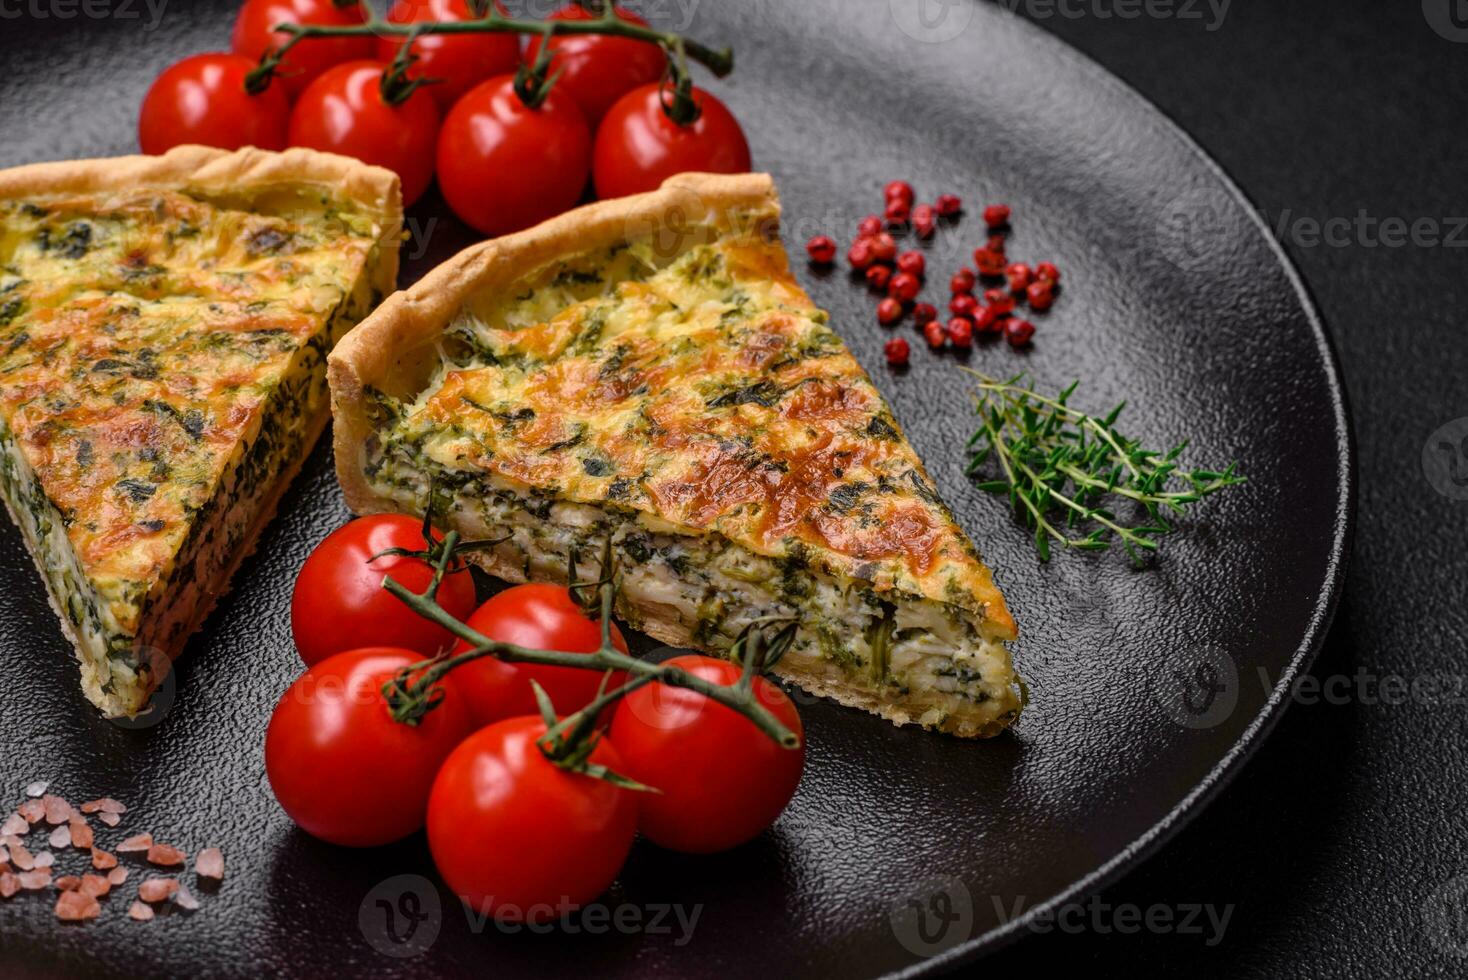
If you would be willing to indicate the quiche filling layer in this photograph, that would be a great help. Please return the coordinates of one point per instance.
(161, 364)
(692, 406)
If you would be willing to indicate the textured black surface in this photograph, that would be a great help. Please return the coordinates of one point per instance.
(1173, 300)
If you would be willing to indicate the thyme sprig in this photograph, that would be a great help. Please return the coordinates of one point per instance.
(1061, 469)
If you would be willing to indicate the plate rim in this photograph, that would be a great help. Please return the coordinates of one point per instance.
(1326, 602)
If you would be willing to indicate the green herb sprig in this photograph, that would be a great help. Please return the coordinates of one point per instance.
(1062, 468)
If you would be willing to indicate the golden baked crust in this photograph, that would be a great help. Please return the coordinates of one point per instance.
(653, 356)
(164, 323)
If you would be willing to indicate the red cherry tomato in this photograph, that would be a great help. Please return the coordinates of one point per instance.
(339, 602)
(721, 780)
(341, 767)
(542, 617)
(202, 99)
(638, 146)
(344, 112)
(598, 69)
(255, 33)
(519, 838)
(502, 166)
(461, 61)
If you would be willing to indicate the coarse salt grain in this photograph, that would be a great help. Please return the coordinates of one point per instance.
(157, 889)
(140, 912)
(210, 863)
(75, 906)
(137, 842)
(55, 809)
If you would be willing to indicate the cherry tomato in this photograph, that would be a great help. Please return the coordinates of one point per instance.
(638, 146)
(255, 33)
(517, 837)
(721, 780)
(344, 112)
(542, 617)
(202, 99)
(502, 166)
(341, 767)
(598, 69)
(339, 602)
(461, 61)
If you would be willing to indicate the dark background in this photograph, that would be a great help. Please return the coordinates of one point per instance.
(1337, 835)
(1338, 845)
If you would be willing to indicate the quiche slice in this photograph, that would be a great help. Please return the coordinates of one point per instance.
(647, 370)
(164, 325)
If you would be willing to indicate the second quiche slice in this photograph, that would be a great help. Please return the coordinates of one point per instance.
(164, 325)
(647, 369)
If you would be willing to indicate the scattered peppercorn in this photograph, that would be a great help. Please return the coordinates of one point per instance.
(897, 350)
(989, 262)
(898, 212)
(963, 304)
(1000, 300)
(963, 281)
(884, 247)
(900, 190)
(912, 263)
(1019, 276)
(878, 276)
(821, 249)
(924, 221)
(961, 331)
(861, 254)
(889, 311)
(949, 205)
(935, 335)
(1047, 270)
(996, 215)
(904, 287)
(869, 226)
(1041, 294)
(1018, 332)
(924, 314)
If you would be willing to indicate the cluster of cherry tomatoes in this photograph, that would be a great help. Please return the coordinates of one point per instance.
(510, 830)
(899, 277)
(455, 110)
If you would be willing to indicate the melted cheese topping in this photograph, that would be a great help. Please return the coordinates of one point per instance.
(706, 390)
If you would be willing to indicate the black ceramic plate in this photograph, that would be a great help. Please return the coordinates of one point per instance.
(903, 850)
